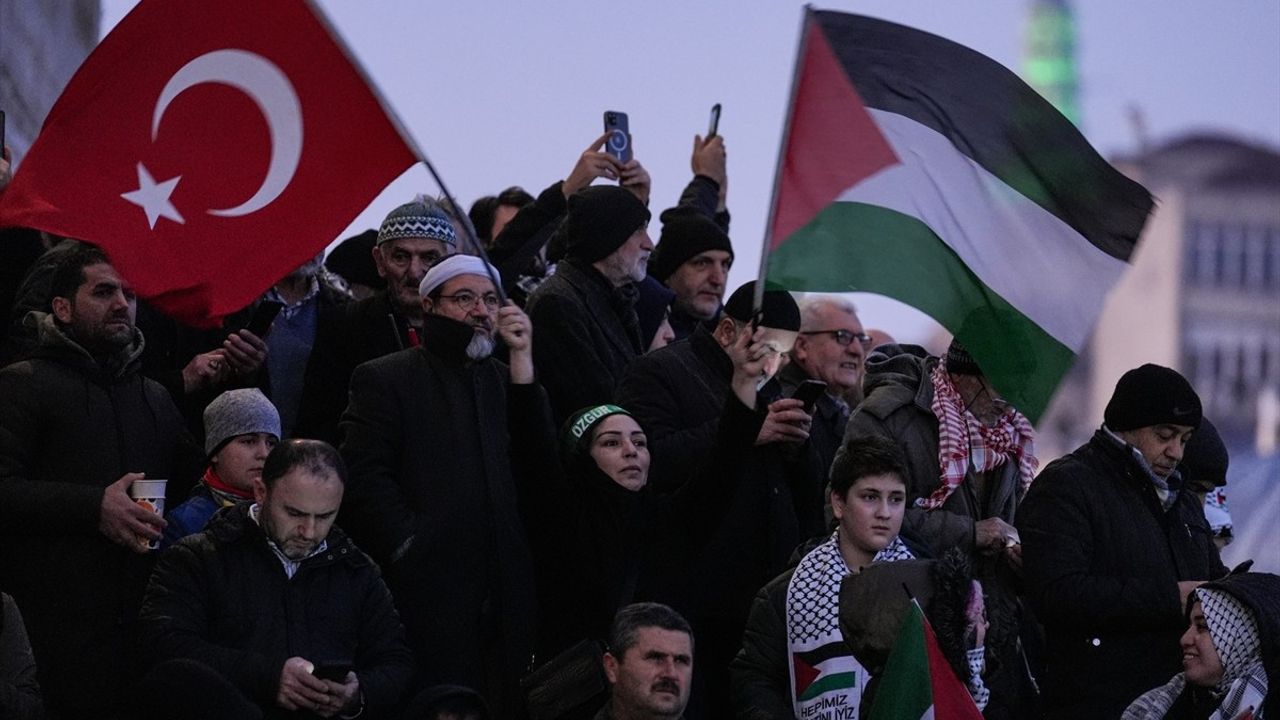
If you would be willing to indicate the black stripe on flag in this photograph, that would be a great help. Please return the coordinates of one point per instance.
(822, 654)
(994, 118)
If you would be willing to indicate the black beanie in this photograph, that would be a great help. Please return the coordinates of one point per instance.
(778, 311)
(1204, 460)
(685, 233)
(599, 221)
(353, 260)
(1152, 395)
(959, 361)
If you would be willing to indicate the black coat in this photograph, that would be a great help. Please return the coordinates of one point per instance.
(1102, 561)
(587, 334)
(70, 427)
(345, 337)
(432, 443)
(222, 598)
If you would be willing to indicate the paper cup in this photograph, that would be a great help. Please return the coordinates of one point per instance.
(150, 495)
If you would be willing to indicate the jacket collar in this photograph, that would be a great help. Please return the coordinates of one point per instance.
(446, 338)
(612, 308)
(53, 343)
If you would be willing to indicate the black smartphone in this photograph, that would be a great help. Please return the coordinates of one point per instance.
(619, 142)
(809, 392)
(263, 316)
(714, 126)
(337, 672)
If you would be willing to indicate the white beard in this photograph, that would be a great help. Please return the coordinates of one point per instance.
(480, 347)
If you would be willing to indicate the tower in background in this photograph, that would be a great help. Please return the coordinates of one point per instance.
(1049, 64)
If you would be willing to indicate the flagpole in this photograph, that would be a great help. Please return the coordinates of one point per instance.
(758, 301)
(409, 140)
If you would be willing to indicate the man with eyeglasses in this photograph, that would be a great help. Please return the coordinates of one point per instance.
(830, 348)
(970, 459)
(411, 238)
(433, 459)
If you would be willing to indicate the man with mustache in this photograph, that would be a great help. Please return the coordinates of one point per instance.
(649, 664)
(411, 238)
(78, 425)
(433, 456)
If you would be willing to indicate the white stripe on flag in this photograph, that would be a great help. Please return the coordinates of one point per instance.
(1033, 260)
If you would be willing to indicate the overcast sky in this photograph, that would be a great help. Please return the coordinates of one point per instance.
(505, 94)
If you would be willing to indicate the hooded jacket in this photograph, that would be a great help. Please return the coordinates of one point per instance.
(69, 427)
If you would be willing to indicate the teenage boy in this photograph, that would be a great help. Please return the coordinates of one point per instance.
(868, 496)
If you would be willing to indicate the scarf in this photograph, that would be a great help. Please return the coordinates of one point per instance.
(824, 675)
(1166, 493)
(963, 440)
(224, 494)
(1243, 686)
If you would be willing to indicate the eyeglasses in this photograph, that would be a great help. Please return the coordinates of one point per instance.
(844, 337)
(466, 300)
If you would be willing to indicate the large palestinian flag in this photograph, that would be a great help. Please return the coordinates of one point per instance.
(919, 169)
(917, 683)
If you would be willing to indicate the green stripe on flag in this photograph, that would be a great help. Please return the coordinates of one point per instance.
(856, 247)
(906, 690)
(838, 681)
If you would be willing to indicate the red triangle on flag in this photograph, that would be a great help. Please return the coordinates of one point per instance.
(951, 699)
(805, 675)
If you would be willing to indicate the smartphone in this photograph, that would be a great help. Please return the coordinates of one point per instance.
(337, 672)
(809, 392)
(619, 129)
(263, 316)
(714, 126)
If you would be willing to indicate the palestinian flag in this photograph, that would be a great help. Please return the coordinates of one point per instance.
(919, 169)
(917, 683)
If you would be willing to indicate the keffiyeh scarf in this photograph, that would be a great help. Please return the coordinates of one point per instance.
(823, 672)
(963, 440)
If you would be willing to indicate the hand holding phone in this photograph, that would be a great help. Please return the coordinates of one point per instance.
(263, 316)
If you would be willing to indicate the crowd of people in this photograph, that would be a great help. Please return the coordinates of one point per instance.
(567, 477)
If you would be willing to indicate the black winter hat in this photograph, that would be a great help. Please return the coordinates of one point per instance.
(959, 361)
(1204, 460)
(778, 311)
(599, 221)
(652, 305)
(353, 260)
(1152, 395)
(685, 233)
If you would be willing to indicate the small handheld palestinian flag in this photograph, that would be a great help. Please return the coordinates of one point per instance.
(917, 683)
(916, 168)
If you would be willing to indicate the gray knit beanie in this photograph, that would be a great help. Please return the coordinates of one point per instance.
(238, 412)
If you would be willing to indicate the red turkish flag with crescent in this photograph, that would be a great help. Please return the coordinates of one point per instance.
(210, 148)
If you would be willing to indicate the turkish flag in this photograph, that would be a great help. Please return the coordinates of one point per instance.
(210, 148)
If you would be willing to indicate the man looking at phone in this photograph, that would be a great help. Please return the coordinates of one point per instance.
(412, 238)
(277, 601)
(78, 425)
(830, 348)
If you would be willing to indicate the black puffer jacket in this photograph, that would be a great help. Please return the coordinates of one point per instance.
(221, 597)
(69, 427)
(1102, 562)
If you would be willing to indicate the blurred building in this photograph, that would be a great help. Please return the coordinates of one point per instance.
(1203, 295)
(41, 46)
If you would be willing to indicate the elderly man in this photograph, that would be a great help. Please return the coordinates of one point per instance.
(433, 491)
(1113, 543)
(831, 348)
(585, 314)
(649, 664)
(275, 600)
(412, 237)
(78, 425)
(692, 258)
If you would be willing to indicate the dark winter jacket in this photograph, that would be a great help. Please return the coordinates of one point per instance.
(345, 337)
(222, 598)
(19, 691)
(433, 444)
(69, 427)
(587, 334)
(1102, 561)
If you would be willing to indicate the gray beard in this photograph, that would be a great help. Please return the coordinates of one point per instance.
(480, 347)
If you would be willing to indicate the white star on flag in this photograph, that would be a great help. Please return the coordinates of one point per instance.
(153, 197)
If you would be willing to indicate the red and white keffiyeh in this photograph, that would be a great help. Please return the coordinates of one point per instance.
(963, 439)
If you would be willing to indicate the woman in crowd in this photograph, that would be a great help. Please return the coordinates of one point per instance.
(1230, 655)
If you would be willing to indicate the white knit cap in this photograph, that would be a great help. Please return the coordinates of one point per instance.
(450, 268)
